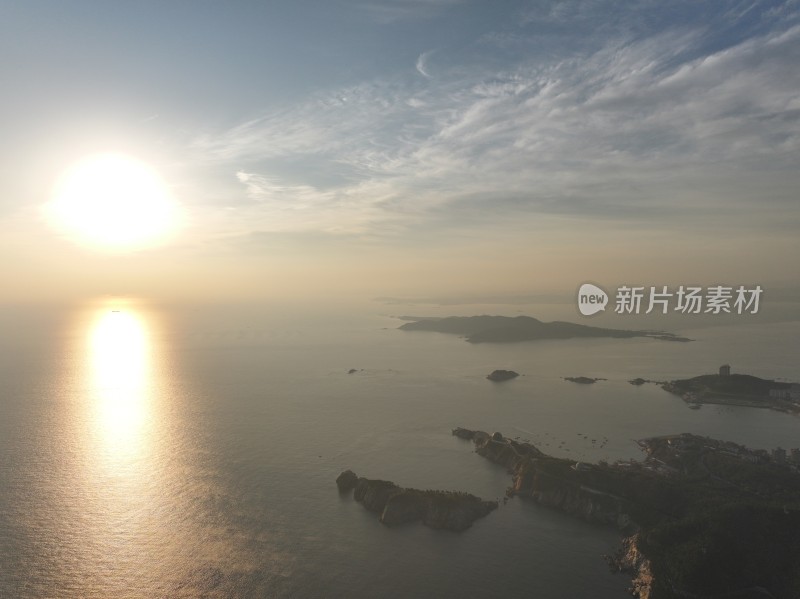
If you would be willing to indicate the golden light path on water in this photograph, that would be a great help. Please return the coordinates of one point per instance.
(120, 359)
(122, 411)
(140, 495)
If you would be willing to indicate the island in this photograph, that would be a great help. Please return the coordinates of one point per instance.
(502, 375)
(701, 517)
(737, 390)
(446, 510)
(583, 380)
(508, 329)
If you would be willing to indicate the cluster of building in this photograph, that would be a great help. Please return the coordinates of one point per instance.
(790, 393)
(687, 442)
(786, 392)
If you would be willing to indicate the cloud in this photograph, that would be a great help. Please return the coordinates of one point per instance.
(422, 64)
(655, 130)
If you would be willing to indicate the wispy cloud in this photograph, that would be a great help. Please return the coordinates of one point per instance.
(636, 129)
(422, 64)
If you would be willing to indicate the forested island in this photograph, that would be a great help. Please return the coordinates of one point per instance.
(702, 518)
(508, 329)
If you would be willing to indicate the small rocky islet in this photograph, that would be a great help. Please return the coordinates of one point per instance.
(499, 376)
(583, 380)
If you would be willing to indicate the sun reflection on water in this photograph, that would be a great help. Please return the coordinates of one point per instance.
(120, 371)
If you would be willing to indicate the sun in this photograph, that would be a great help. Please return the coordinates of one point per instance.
(113, 201)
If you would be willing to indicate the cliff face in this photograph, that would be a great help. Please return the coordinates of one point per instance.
(447, 510)
(631, 560)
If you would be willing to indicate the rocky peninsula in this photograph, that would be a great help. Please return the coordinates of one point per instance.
(395, 505)
(703, 518)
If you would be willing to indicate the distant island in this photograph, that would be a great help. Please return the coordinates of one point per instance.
(703, 518)
(583, 380)
(502, 375)
(447, 510)
(736, 389)
(508, 329)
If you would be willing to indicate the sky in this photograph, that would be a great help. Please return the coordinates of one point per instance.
(408, 148)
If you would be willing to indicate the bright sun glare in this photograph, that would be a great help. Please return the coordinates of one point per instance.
(113, 201)
(120, 380)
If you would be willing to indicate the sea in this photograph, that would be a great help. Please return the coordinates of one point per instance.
(162, 451)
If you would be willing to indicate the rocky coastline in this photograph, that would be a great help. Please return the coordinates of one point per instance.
(701, 517)
(559, 484)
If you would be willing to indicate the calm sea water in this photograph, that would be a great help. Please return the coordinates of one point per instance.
(192, 452)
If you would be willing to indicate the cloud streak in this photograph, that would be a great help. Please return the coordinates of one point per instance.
(422, 64)
(639, 127)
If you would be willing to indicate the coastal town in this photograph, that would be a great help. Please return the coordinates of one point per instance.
(669, 453)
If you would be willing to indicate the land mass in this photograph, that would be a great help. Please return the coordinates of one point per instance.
(447, 510)
(583, 380)
(733, 389)
(499, 376)
(508, 329)
(703, 518)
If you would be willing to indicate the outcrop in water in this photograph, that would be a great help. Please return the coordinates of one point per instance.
(502, 375)
(583, 380)
(346, 481)
(446, 510)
